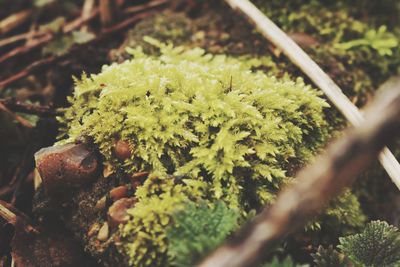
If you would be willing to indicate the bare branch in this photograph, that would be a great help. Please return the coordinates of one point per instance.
(315, 185)
(12, 216)
(106, 12)
(14, 20)
(17, 106)
(281, 40)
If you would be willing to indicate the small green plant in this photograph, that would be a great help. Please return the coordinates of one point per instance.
(377, 246)
(330, 257)
(286, 262)
(198, 229)
(380, 40)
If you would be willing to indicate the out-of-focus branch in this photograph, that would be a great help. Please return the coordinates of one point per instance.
(12, 216)
(17, 106)
(315, 185)
(282, 41)
(106, 12)
(14, 20)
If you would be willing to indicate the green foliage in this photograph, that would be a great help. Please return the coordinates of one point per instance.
(356, 55)
(286, 262)
(330, 257)
(197, 230)
(344, 213)
(63, 43)
(382, 41)
(144, 236)
(377, 245)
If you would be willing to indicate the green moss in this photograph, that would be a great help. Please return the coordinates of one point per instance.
(144, 236)
(187, 113)
(224, 130)
(358, 53)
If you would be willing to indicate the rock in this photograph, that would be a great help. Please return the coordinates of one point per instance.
(117, 213)
(65, 166)
(103, 232)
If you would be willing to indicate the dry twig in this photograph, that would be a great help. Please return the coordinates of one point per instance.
(315, 185)
(18, 106)
(16, 117)
(281, 40)
(106, 12)
(12, 216)
(14, 20)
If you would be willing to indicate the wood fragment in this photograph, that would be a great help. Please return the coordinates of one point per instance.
(18, 106)
(13, 21)
(139, 8)
(87, 8)
(315, 185)
(106, 12)
(13, 216)
(281, 40)
(18, 118)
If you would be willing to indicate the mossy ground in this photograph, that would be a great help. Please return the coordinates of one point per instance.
(358, 72)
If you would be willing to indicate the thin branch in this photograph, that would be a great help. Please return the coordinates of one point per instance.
(87, 8)
(12, 216)
(151, 4)
(16, 117)
(25, 72)
(21, 37)
(106, 12)
(76, 23)
(14, 20)
(17, 106)
(315, 185)
(281, 40)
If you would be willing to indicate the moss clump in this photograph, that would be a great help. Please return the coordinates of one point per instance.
(223, 130)
(187, 113)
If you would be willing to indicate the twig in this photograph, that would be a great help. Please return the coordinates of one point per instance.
(14, 20)
(276, 36)
(16, 117)
(18, 106)
(47, 38)
(152, 4)
(106, 12)
(315, 185)
(12, 216)
(21, 37)
(25, 72)
(87, 8)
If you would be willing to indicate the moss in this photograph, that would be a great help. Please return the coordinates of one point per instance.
(187, 113)
(357, 53)
(144, 236)
(224, 130)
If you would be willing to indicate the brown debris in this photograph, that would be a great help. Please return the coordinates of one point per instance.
(117, 213)
(118, 192)
(103, 232)
(123, 150)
